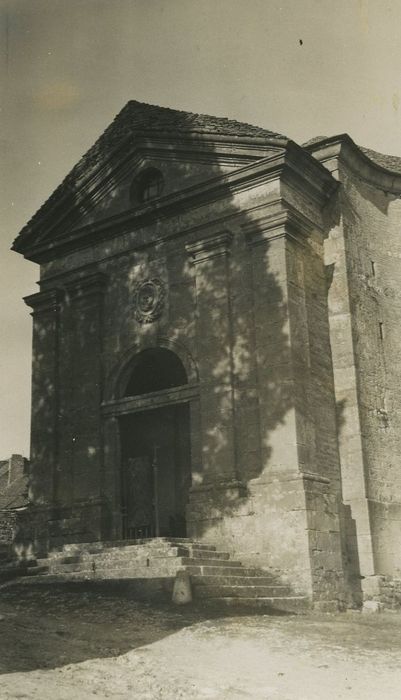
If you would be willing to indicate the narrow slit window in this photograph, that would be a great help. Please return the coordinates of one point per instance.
(373, 267)
(381, 330)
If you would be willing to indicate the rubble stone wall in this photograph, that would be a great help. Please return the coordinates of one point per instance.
(8, 526)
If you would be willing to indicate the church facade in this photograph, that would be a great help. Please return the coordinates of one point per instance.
(216, 349)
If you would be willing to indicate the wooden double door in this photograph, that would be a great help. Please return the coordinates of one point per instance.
(155, 472)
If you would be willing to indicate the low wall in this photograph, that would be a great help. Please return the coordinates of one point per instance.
(8, 526)
(384, 590)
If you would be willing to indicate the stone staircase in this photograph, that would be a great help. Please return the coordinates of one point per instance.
(10, 567)
(215, 578)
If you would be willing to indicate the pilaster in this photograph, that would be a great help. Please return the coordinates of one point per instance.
(45, 395)
(302, 502)
(210, 258)
(277, 245)
(80, 399)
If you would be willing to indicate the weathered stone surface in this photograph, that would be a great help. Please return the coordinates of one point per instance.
(164, 566)
(217, 354)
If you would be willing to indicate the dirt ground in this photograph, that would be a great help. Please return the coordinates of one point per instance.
(76, 642)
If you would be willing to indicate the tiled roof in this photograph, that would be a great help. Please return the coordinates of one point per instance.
(139, 117)
(15, 495)
(392, 163)
(313, 140)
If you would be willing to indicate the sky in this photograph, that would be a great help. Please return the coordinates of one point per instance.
(299, 67)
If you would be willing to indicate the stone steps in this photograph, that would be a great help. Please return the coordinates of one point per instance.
(214, 576)
(154, 542)
(161, 564)
(37, 570)
(199, 569)
(88, 575)
(12, 569)
(134, 557)
(221, 572)
(203, 553)
(133, 553)
(246, 590)
(289, 604)
(236, 579)
(202, 563)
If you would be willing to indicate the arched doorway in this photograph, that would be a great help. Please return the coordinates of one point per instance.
(154, 446)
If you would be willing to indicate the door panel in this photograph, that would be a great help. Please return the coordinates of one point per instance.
(155, 469)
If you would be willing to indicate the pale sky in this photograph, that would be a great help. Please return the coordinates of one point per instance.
(68, 66)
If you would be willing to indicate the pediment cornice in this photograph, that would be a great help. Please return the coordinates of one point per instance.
(85, 187)
(293, 165)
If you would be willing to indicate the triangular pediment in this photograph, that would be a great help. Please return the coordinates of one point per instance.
(184, 149)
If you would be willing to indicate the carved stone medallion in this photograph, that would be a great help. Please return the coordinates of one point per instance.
(149, 300)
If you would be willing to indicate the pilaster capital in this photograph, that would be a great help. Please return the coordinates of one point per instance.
(90, 285)
(209, 247)
(42, 302)
(283, 222)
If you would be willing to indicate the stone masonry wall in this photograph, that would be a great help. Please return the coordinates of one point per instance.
(373, 244)
(8, 525)
(363, 256)
(382, 592)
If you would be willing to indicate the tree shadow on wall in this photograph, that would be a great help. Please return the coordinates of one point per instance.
(243, 307)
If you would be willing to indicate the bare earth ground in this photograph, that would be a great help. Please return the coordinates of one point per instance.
(74, 642)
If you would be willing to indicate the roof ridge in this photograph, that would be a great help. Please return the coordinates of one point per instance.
(198, 115)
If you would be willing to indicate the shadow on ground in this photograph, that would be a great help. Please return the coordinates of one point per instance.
(44, 626)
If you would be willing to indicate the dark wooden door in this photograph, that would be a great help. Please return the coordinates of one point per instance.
(138, 510)
(155, 471)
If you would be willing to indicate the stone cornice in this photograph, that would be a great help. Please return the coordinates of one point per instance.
(215, 151)
(209, 247)
(283, 222)
(61, 203)
(42, 302)
(93, 284)
(98, 185)
(294, 165)
(155, 399)
(342, 149)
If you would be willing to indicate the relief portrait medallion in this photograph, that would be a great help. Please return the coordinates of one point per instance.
(149, 300)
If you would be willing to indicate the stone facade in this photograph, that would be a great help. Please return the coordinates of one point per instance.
(216, 348)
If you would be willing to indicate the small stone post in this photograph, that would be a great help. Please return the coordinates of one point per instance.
(182, 592)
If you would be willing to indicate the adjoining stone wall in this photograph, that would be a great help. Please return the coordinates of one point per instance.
(8, 526)
(390, 593)
(363, 253)
(372, 224)
(385, 591)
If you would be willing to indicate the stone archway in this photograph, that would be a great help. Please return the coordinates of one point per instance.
(154, 409)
